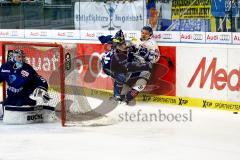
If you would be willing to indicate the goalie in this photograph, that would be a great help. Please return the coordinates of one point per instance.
(25, 88)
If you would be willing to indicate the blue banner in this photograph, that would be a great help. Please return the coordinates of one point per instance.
(201, 25)
(221, 8)
(218, 8)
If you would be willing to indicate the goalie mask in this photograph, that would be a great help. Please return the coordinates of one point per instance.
(18, 58)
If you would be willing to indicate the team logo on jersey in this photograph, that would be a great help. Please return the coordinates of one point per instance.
(24, 73)
(5, 71)
(12, 78)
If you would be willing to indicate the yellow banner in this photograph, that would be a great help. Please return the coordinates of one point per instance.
(189, 12)
(173, 100)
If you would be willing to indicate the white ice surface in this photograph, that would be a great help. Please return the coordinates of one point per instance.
(211, 135)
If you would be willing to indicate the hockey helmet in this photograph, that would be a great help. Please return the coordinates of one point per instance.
(105, 39)
(18, 57)
(149, 29)
(119, 37)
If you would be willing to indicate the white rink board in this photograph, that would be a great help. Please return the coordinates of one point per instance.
(222, 81)
(92, 35)
(234, 66)
(188, 59)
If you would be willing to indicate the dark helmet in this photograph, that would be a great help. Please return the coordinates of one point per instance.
(149, 29)
(105, 39)
(119, 37)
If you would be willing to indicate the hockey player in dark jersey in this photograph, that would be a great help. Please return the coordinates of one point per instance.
(22, 81)
(116, 62)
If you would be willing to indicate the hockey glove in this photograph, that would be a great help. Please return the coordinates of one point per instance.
(132, 49)
(143, 52)
(40, 93)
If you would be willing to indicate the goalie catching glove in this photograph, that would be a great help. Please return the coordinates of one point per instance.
(40, 94)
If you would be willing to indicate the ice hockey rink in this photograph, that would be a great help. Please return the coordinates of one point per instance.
(207, 134)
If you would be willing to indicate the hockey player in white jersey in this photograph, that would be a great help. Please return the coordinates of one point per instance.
(143, 50)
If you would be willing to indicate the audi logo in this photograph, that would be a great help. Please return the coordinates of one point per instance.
(69, 34)
(224, 37)
(14, 33)
(43, 34)
(132, 35)
(166, 36)
(197, 37)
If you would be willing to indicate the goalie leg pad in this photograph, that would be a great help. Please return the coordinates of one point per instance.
(27, 114)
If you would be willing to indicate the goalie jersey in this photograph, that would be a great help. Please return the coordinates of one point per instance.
(21, 83)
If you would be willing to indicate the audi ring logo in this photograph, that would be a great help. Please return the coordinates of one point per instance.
(166, 36)
(197, 37)
(14, 33)
(224, 37)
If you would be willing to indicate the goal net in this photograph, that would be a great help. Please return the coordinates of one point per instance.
(51, 62)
